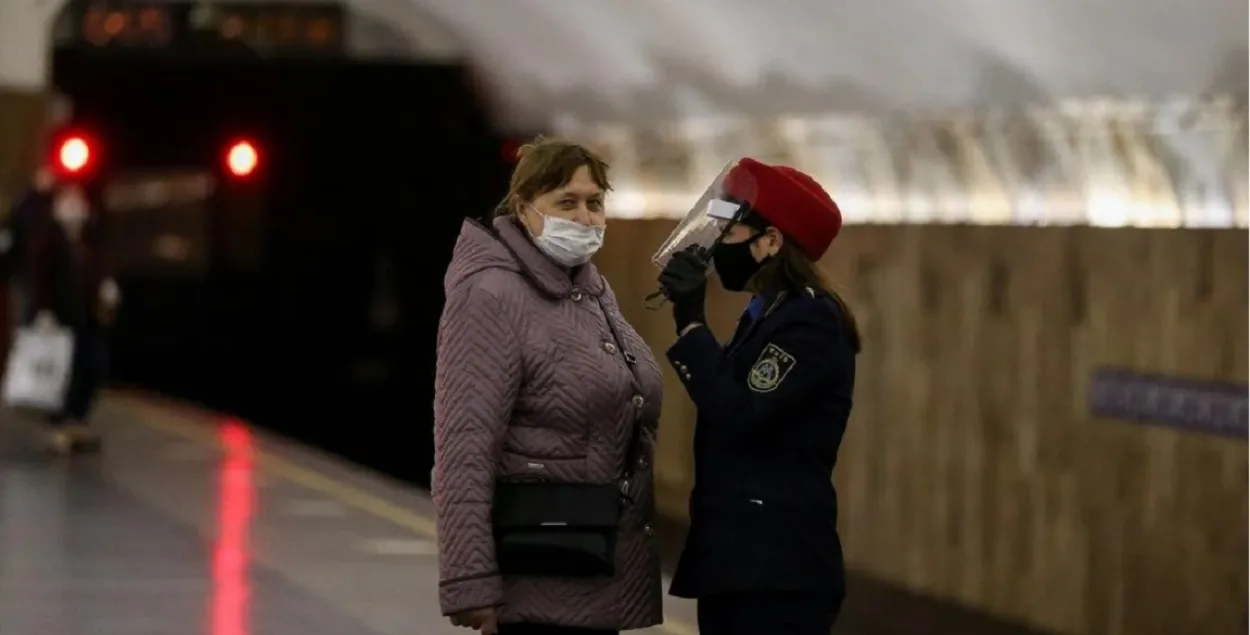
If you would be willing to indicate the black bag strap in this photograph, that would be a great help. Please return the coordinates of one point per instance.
(634, 449)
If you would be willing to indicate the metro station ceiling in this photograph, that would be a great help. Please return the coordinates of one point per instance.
(662, 59)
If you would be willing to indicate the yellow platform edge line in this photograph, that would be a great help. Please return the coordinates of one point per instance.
(196, 432)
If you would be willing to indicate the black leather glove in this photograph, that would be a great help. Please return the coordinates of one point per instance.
(684, 281)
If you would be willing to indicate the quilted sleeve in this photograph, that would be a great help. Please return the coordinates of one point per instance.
(476, 382)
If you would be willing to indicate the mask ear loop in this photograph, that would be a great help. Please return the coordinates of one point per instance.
(656, 299)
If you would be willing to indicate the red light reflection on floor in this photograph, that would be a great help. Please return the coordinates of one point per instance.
(232, 553)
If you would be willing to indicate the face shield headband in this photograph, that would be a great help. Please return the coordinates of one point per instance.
(730, 211)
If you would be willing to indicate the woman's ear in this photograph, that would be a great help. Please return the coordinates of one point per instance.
(520, 206)
(775, 240)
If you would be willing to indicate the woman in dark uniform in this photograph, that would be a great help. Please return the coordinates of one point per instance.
(763, 554)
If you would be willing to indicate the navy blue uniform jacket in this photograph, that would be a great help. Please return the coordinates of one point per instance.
(772, 408)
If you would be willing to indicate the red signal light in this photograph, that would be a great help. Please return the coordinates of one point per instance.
(74, 154)
(242, 158)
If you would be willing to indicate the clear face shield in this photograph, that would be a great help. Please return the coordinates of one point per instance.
(724, 202)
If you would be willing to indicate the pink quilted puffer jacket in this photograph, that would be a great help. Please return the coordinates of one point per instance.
(531, 385)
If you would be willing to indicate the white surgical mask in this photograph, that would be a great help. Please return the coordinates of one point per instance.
(567, 242)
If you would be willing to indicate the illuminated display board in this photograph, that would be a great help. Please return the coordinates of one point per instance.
(263, 28)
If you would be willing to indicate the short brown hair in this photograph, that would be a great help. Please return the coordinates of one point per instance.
(546, 164)
(791, 270)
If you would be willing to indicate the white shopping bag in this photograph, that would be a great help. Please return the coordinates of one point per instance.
(38, 372)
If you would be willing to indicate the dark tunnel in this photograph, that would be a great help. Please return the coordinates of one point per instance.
(311, 299)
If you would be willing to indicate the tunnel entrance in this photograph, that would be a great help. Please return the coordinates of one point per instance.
(313, 307)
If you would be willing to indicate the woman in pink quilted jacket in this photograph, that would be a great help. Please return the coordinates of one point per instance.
(545, 409)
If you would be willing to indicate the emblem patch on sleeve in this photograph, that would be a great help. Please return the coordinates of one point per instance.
(770, 369)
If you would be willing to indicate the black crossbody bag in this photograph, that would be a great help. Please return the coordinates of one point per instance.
(565, 529)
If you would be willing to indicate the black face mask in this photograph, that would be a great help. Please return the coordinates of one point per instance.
(735, 264)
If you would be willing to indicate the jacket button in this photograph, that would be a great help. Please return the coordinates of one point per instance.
(575, 294)
(642, 462)
(638, 401)
(609, 347)
(646, 529)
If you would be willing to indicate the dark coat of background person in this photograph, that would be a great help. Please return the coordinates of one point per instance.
(29, 215)
(64, 276)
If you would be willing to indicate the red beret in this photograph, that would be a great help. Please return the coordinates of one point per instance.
(789, 200)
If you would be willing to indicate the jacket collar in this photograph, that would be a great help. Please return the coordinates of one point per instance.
(549, 277)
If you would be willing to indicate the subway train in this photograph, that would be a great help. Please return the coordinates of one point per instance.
(280, 231)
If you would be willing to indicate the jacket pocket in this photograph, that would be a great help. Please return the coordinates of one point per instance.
(521, 467)
(544, 443)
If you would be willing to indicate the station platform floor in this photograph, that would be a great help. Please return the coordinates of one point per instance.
(190, 522)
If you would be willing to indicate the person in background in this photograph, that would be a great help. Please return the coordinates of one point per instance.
(32, 210)
(763, 554)
(540, 380)
(71, 287)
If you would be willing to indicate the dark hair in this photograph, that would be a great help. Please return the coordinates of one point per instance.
(546, 164)
(791, 270)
